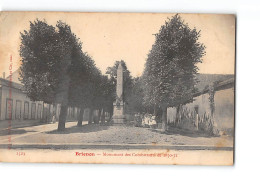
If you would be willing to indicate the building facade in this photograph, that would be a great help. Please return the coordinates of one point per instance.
(15, 105)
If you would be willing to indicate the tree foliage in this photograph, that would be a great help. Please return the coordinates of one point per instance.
(55, 69)
(137, 96)
(171, 65)
(39, 51)
(170, 69)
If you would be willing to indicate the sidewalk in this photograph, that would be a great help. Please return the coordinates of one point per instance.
(4, 124)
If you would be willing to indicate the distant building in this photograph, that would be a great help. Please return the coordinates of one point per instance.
(17, 106)
(15, 102)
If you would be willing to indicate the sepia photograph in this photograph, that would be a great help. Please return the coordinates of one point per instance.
(117, 88)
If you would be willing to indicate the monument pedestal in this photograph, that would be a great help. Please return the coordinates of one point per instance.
(118, 116)
(119, 119)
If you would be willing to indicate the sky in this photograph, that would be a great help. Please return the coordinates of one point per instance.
(108, 37)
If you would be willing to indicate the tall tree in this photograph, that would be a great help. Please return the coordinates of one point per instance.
(39, 51)
(170, 69)
(47, 55)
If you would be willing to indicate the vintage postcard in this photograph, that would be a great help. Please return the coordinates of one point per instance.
(126, 88)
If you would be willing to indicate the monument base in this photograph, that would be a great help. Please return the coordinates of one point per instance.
(118, 116)
(119, 119)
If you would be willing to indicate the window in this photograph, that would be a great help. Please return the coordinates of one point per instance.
(9, 109)
(39, 111)
(33, 111)
(18, 109)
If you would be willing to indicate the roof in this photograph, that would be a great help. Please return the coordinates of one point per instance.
(7, 83)
(15, 76)
(207, 79)
(220, 82)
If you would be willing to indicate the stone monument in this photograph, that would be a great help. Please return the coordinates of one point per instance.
(118, 115)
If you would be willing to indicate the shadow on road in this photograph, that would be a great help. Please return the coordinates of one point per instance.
(14, 131)
(83, 129)
(176, 131)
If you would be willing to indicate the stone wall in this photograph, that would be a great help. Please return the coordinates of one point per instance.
(223, 118)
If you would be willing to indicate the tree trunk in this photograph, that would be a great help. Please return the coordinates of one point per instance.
(98, 116)
(103, 116)
(90, 118)
(42, 118)
(55, 109)
(164, 118)
(80, 118)
(177, 120)
(110, 116)
(54, 113)
(62, 118)
(73, 112)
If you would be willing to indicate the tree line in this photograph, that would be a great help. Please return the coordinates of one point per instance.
(56, 70)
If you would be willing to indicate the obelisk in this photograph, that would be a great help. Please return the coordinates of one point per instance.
(118, 115)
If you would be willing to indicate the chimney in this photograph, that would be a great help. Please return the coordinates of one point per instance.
(4, 75)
